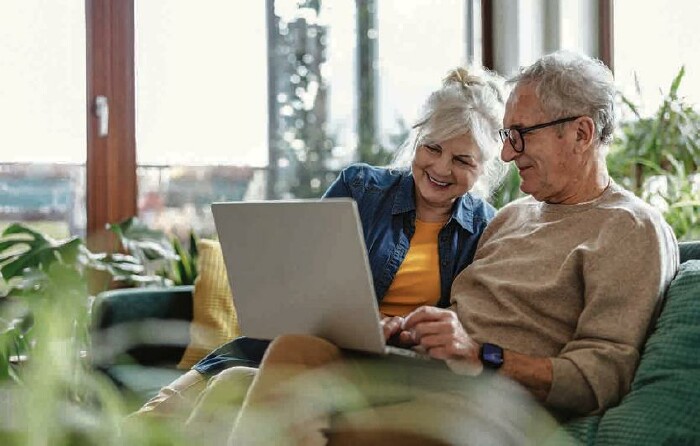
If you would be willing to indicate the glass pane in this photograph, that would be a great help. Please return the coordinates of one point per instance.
(576, 27)
(201, 83)
(204, 132)
(409, 66)
(339, 72)
(201, 101)
(312, 115)
(42, 108)
(653, 40)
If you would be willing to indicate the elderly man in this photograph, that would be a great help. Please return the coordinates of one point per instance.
(562, 291)
(565, 282)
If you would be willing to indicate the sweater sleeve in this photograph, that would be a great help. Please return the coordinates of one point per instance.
(625, 274)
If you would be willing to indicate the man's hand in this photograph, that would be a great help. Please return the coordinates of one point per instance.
(442, 335)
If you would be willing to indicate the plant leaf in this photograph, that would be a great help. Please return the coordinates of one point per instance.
(42, 256)
(19, 229)
(673, 92)
(631, 105)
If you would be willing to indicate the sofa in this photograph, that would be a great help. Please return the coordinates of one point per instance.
(139, 336)
(663, 406)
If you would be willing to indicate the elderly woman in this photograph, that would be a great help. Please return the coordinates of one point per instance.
(421, 226)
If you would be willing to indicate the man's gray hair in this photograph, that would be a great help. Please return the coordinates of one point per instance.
(470, 101)
(572, 84)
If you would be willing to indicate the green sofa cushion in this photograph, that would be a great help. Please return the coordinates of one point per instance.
(135, 304)
(149, 325)
(583, 430)
(689, 251)
(663, 406)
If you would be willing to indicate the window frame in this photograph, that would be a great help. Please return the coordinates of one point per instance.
(111, 161)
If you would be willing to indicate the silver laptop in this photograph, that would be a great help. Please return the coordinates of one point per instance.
(301, 267)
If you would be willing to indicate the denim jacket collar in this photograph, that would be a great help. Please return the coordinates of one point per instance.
(404, 201)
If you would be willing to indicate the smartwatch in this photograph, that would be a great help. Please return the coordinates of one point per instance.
(491, 356)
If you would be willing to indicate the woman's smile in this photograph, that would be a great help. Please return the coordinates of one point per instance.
(440, 184)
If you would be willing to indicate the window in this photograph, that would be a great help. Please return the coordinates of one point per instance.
(524, 31)
(43, 115)
(409, 66)
(653, 40)
(217, 101)
(201, 109)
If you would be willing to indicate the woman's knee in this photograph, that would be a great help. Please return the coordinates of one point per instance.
(301, 349)
(177, 397)
(234, 381)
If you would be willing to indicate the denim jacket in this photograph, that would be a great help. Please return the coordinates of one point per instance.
(387, 207)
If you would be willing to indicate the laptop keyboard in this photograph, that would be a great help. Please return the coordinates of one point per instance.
(407, 353)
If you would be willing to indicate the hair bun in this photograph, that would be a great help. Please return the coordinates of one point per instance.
(481, 78)
(461, 76)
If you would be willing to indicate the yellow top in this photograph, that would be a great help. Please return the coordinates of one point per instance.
(417, 281)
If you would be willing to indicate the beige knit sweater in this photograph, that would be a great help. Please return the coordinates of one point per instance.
(579, 284)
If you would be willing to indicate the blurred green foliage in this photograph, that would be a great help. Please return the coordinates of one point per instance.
(49, 392)
(508, 190)
(163, 259)
(36, 268)
(657, 157)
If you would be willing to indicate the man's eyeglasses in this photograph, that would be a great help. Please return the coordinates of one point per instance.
(515, 135)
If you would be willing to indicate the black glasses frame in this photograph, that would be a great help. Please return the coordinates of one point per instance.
(507, 133)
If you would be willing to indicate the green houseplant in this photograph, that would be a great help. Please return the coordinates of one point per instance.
(55, 396)
(658, 158)
(36, 267)
(164, 259)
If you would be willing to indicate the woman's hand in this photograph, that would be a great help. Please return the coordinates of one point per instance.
(442, 335)
(391, 325)
(394, 334)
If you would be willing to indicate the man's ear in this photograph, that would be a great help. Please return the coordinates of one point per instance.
(585, 133)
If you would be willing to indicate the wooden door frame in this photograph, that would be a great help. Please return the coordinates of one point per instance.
(606, 40)
(111, 161)
(487, 52)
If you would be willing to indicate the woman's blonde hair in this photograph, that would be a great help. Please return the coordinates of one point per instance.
(471, 100)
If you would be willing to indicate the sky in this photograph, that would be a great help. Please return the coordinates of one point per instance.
(202, 83)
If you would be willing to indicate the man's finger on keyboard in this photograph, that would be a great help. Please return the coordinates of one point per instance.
(426, 314)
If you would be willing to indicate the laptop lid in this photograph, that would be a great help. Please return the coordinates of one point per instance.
(300, 267)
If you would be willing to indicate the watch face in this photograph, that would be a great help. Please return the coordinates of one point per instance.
(492, 355)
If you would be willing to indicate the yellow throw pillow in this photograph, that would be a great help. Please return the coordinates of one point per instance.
(214, 320)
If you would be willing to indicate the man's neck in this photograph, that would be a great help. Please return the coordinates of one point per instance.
(589, 186)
